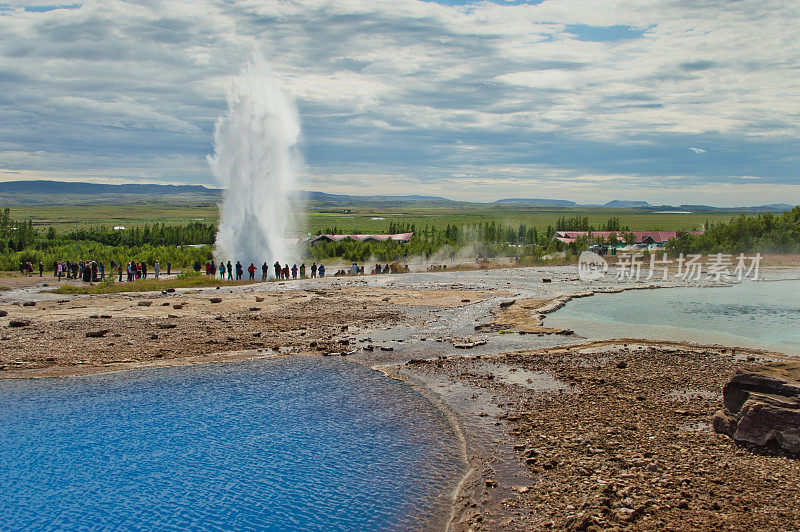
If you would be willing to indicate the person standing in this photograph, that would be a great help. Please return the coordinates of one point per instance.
(252, 271)
(314, 270)
(239, 271)
(230, 271)
(302, 270)
(278, 270)
(294, 271)
(144, 270)
(264, 271)
(156, 269)
(169, 267)
(119, 268)
(222, 270)
(41, 268)
(321, 270)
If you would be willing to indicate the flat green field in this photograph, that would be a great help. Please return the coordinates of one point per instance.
(65, 217)
(355, 220)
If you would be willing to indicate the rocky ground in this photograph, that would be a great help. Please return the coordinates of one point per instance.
(561, 433)
(85, 334)
(626, 444)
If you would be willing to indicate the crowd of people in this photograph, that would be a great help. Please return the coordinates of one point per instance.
(95, 271)
(92, 271)
(355, 269)
(281, 272)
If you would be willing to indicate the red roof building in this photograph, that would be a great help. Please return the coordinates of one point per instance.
(640, 237)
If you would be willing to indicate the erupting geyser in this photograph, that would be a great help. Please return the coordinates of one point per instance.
(255, 155)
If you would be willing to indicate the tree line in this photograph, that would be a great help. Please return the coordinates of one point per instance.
(21, 241)
(767, 232)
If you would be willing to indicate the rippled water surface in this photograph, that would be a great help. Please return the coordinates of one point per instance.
(294, 443)
(751, 314)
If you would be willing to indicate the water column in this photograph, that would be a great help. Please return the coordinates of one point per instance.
(255, 160)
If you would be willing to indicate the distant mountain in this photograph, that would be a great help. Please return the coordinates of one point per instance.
(539, 202)
(626, 204)
(68, 193)
(64, 187)
(773, 207)
(323, 196)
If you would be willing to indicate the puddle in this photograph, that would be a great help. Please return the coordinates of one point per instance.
(531, 380)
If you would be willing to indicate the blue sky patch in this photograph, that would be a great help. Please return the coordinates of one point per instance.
(44, 9)
(583, 32)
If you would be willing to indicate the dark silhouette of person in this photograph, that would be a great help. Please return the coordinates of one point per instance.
(277, 269)
(294, 271)
(239, 270)
(264, 271)
(314, 270)
(252, 271)
(230, 271)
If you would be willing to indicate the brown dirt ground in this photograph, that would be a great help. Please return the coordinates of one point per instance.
(628, 445)
(175, 327)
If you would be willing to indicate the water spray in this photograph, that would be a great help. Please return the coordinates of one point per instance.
(255, 158)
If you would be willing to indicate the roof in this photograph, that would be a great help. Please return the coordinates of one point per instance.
(398, 237)
(658, 237)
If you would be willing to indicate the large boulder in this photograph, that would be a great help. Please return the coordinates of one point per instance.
(762, 410)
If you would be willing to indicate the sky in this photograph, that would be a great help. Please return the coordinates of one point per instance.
(672, 101)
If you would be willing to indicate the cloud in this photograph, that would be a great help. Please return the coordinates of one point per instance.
(400, 88)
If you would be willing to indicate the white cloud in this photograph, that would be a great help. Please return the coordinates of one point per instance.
(404, 86)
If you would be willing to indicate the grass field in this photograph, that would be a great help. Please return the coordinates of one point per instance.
(368, 220)
(145, 285)
(66, 217)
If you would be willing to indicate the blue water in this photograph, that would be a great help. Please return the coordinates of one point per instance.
(750, 314)
(295, 443)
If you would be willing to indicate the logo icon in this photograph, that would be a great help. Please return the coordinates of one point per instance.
(591, 266)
